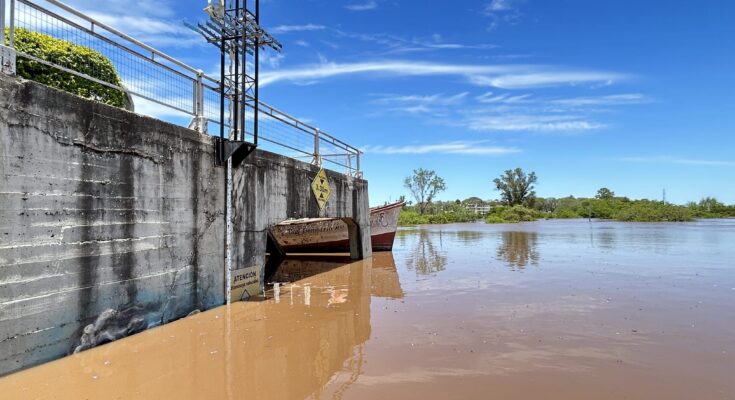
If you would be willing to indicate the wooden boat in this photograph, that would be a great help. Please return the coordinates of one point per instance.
(329, 235)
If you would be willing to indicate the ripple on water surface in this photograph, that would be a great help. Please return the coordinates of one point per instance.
(552, 309)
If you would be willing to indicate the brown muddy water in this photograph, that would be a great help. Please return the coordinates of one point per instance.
(545, 310)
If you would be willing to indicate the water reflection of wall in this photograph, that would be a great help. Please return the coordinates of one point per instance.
(518, 249)
(287, 346)
(300, 350)
(426, 256)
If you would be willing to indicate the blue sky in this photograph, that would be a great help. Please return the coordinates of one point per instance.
(632, 95)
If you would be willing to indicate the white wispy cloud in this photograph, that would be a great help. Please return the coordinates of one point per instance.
(393, 68)
(419, 104)
(281, 29)
(501, 12)
(498, 5)
(272, 59)
(558, 123)
(607, 100)
(507, 98)
(457, 147)
(507, 111)
(501, 76)
(548, 78)
(395, 44)
(157, 9)
(615, 99)
(365, 6)
(664, 159)
(152, 23)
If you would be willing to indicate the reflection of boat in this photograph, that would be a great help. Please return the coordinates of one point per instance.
(309, 235)
(384, 277)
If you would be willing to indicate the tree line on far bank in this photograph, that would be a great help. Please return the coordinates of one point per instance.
(518, 202)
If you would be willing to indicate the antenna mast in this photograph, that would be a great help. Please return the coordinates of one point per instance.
(234, 27)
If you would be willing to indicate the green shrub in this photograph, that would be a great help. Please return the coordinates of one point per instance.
(412, 217)
(436, 214)
(513, 214)
(654, 211)
(494, 219)
(520, 214)
(78, 58)
(710, 207)
(567, 214)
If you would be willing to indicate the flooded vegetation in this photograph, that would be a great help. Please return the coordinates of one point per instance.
(550, 309)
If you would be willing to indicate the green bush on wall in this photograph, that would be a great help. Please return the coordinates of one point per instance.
(69, 55)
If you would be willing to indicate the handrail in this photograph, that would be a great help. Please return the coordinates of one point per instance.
(201, 83)
(2, 22)
(296, 124)
(112, 30)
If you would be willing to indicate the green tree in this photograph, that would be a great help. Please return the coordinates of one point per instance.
(711, 205)
(605, 194)
(516, 187)
(473, 200)
(547, 204)
(424, 185)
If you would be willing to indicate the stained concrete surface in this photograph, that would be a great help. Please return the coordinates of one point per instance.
(111, 222)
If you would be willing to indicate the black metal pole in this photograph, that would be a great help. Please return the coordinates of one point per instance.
(221, 153)
(245, 68)
(257, 71)
(222, 88)
(236, 96)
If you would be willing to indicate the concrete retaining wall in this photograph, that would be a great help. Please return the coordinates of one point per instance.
(270, 189)
(100, 210)
(111, 223)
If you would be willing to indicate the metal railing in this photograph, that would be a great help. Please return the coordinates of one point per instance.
(160, 82)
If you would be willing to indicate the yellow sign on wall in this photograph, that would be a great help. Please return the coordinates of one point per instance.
(321, 189)
(245, 283)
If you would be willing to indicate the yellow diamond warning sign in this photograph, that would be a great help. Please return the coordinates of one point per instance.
(321, 189)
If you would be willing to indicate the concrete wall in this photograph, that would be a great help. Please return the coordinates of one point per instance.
(107, 219)
(111, 223)
(270, 189)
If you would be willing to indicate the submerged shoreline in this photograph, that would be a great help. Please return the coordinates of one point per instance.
(502, 214)
(559, 309)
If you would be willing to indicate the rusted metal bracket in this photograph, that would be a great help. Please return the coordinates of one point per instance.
(237, 150)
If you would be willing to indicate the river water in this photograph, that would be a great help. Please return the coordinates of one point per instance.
(543, 310)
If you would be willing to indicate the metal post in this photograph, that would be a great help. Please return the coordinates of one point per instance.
(2, 22)
(12, 24)
(222, 90)
(244, 83)
(357, 172)
(236, 128)
(220, 152)
(7, 53)
(256, 50)
(201, 122)
(317, 158)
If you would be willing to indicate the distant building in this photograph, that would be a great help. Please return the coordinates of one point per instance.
(479, 208)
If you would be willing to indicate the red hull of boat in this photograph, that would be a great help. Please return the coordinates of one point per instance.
(330, 235)
(383, 242)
